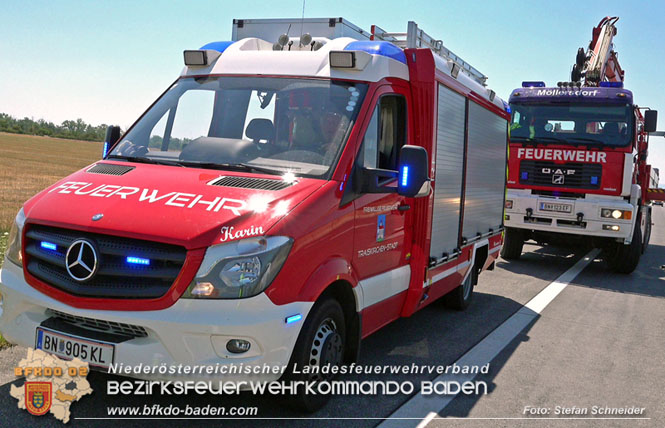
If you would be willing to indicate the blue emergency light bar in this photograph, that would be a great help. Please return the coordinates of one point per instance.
(533, 84)
(611, 84)
(48, 245)
(138, 261)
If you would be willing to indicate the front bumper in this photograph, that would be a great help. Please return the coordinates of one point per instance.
(548, 221)
(191, 332)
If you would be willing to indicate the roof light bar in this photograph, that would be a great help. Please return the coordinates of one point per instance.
(611, 84)
(533, 84)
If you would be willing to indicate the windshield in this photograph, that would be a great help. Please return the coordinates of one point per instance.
(270, 125)
(585, 124)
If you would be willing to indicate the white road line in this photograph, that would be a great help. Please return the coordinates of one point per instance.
(426, 406)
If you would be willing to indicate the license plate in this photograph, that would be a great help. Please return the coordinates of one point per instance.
(95, 353)
(557, 208)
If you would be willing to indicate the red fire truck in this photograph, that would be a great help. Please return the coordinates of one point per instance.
(578, 160)
(293, 191)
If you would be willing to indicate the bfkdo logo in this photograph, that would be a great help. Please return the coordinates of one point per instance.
(38, 397)
(51, 384)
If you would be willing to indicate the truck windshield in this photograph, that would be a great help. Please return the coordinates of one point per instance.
(577, 124)
(270, 125)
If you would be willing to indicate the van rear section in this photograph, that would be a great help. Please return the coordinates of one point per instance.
(287, 196)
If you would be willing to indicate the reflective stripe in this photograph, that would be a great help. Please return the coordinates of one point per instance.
(380, 287)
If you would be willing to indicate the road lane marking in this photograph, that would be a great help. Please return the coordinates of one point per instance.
(427, 407)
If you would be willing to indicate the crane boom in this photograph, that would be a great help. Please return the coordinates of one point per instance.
(600, 62)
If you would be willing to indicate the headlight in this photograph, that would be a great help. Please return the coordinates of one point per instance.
(616, 214)
(239, 269)
(14, 244)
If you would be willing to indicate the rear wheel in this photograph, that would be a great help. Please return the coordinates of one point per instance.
(321, 343)
(460, 297)
(513, 241)
(647, 232)
(625, 258)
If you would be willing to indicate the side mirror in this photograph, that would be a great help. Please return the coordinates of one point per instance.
(112, 137)
(413, 168)
(650, 120)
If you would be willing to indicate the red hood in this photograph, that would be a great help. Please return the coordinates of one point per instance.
(164, 203)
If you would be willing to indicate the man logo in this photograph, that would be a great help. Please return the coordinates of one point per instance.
(38, 397)
(81, 260)
(557, 179)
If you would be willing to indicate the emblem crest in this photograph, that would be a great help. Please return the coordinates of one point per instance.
(38, 397)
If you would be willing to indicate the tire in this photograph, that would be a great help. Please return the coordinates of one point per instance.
(513, 241)
(647, 233)
(322, 341)
(626, 257)
(460, 298)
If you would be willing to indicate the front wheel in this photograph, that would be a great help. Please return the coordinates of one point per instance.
(513, 241)
(626, 257)
(321, 343)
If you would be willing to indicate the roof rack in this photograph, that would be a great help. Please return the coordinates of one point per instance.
(417, 38)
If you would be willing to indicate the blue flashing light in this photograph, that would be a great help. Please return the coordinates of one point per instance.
(217, 46)
(611, 84)
(405, 176)
(533, 84)
(524, 175)
(293, 318)
(106, 149)
(382, 48)
(594, 180)
(138, 261)
(48, 245)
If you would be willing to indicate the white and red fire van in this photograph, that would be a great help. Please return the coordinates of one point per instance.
(286, 197)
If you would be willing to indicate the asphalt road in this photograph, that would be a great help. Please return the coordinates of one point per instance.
(600, 342)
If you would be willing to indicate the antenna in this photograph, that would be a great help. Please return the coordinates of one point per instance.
(302, 20)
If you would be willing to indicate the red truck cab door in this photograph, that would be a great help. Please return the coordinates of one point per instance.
(382, 238)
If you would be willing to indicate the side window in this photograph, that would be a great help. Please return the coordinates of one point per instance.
(386, 134)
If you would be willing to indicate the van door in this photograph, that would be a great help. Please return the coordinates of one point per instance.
(382, 238)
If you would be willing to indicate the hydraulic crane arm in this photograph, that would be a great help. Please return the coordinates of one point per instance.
(599, 63)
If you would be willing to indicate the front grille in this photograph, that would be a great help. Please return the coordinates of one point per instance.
(110, 327)
(572, 175)
(251, 183)
(47, 247)
(109, 169)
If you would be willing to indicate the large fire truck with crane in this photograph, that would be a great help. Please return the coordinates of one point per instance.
(578, 160)
(296, 189)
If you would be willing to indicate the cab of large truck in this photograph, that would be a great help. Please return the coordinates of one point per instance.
(572, 167)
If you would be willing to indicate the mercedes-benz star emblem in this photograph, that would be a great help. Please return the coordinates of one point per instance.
(97, 217)
(81, 260)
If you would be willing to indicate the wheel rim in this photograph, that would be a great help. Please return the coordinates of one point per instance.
(327, 348)
(466, 286)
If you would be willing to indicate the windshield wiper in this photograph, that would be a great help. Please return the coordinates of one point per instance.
(230, 166)
(263, 169)
(537, 140)
(590, 140)
(139, 159)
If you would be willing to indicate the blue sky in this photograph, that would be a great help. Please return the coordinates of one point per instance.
(106, 61)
